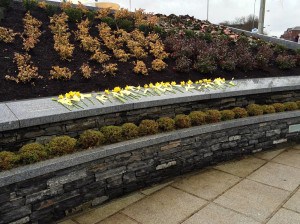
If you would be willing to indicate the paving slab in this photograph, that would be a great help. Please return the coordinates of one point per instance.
(241, 168)
(8, 121)
(155, 188)
(290, 157)
(167, 206)
(118, 218)
(208, 184)
(268, 155)
(277, 175)
(294, 202)
(253, 199)
(284, 216)
(215, 214)
(97, 215)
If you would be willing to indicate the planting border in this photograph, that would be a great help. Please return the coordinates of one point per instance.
(33, 112)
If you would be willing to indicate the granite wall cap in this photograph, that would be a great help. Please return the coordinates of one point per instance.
(52, 165)
(8, 120)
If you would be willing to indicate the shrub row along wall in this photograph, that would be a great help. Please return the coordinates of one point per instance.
(12, 140)
(50, 190)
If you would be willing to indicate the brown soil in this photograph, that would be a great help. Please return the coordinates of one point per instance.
(44, 57)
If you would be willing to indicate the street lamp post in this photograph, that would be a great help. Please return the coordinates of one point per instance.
(261, 16)
(207, 10)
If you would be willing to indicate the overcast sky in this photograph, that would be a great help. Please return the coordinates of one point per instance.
(280, 14)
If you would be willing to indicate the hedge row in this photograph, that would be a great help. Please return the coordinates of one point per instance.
(58, 146)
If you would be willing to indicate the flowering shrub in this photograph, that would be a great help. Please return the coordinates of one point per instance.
(100, 56)
(60, 73)
(183, 64)
(285, 61)
(86, 71)
(88, 43)
(158, 50)
(31, 32)
(26, 71)
(140, 68)
(158, 65)
(110, 69)
(121, 55)
(205, 63)
(7, 35)
(264, 56)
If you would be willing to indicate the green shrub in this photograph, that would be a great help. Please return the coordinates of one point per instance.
(112, 133)
(166, 124)
(189, 33)
(285, 61)
(91, 138)
(279, 49)
(289, 106)
(183, 121)
(213, 116)
(125, 24)
(268, 109)
(30, 4)
(205, 64)
(109, 21)
(227, 115)
(74, 14)
(254, 110)
(240, 112)
(298, 104)
(90, 15)
(145, 29)
(32, 153)
(130, 131)
(197, 117)
(8, 160)
(5, 3)
(52, 9)
(148, 127)
(61, 145)
(279, 107)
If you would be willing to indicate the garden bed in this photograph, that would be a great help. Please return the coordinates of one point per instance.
(43, 56)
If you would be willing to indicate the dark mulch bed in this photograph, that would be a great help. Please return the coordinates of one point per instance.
(44, 57)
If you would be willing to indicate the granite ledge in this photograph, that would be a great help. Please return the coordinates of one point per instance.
(52, 165)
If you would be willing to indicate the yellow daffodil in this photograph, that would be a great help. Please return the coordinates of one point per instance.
(182, 83)
(60, 96)
(146, 86)
(117, 89)
(151, 85)
(173, 83)
(189, 82)
(107, 91)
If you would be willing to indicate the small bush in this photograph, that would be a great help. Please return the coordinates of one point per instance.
(254, 110)
(239, 112)
(285, 61)
(91, 138)
(52, 9)
(205, 64)
(279, 107)
(289, 106)
(183, 64)
(213, 116)
(268, 109)
(183, 121)
(90, 15)
(8, 160)
(298, 104)
(32, 153)
(30, 4)
(112, 133)
(130, 131)
(264, 56)
(197, 117)
(109, 21)
(74, 14)
(5, 3)
(61, 145)
(227, 115)
(148, 127)
(166, 124)
(125, 24)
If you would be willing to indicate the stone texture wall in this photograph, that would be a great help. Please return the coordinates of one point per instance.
(14, 139)
(54, 195)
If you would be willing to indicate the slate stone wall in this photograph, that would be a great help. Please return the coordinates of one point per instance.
(12, 140)
(54, 195)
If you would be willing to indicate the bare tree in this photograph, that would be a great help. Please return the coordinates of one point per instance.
(243, 23)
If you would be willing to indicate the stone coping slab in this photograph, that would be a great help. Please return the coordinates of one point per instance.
(52, 165)
(32, 112)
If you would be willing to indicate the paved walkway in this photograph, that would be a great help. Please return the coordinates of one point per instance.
(264, 188)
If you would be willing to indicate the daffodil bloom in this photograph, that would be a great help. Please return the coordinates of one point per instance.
(146, 86)
(151, 85)
(182, 83)
(107, 91)
(60, 96)
(189, 82)
(173, 83)
(117, 89)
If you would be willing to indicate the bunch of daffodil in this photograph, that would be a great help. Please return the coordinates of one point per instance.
(72, 99)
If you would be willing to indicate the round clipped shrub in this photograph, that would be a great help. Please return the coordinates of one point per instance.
(213, 116)
(8, 160)
(61, 145)
(32, 153)
(112, 133)
(240, 112)
(91, 138)
(197, 117)
(148, 127)
(268, 109)
(254, 110)
(227, 115)
(298, 104)
(183, 121)
(279, 107)
(130, 131)
(166, 124)
(289, 106)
